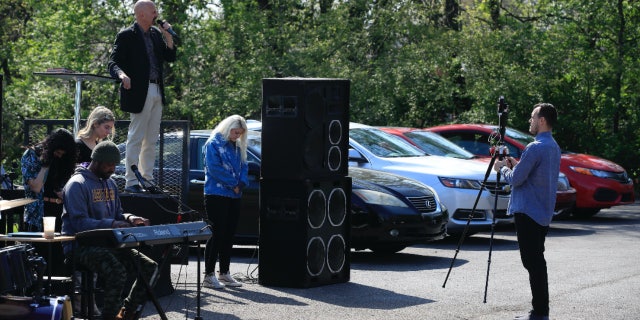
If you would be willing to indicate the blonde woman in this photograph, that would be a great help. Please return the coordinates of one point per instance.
(99, 127)
(226, 170)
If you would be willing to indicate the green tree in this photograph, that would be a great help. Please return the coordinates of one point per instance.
(411, 63)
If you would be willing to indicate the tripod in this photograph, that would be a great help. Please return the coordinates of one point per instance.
(501, 152)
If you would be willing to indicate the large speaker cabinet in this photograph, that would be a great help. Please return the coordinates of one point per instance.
(305, 128)
(305, 232)
(305, 196)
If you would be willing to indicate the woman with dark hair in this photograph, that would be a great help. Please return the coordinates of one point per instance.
(46, 167)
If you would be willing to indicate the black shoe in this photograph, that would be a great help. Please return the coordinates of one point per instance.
(531, 316)
(134, 189)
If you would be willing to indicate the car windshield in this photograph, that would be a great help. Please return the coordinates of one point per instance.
(523, 138)
(254, 141)
(383, 144)
(435, 144)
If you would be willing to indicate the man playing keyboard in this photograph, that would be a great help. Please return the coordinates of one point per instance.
(91, 202)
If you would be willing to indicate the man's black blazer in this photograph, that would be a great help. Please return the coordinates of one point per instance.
(130, 55)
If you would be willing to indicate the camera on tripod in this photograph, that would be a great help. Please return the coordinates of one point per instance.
(496, 139)
(498, 151)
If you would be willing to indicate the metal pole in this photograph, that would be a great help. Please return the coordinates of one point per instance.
(76, 117)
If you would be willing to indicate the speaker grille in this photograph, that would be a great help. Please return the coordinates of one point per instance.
(317, 208)
(316, 251)
(336, 253)
(337, 205)
(335, 132)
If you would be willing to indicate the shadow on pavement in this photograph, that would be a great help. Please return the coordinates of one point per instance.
(477, 242)
(349, 295)
(367, 260)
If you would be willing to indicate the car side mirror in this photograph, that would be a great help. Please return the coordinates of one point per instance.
(355, 156)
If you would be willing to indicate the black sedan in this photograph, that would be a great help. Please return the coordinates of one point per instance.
(388, 212)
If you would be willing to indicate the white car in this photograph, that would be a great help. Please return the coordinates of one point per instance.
(457, 182)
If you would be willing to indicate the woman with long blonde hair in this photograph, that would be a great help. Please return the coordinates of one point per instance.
(99, 127)
(226, 171)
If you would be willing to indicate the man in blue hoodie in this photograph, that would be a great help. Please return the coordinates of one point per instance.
(91, 202)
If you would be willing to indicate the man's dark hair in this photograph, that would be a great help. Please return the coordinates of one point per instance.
(548, 112)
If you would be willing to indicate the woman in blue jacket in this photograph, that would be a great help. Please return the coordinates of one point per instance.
(225, 155)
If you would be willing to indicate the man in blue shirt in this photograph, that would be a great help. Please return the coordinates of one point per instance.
(534, 183)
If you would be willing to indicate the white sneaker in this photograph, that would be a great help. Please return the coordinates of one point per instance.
(228, 280)
(210, 281)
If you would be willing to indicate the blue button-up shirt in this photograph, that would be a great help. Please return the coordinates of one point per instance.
(534, 180)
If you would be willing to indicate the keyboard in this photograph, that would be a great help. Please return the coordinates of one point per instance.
(145, 235)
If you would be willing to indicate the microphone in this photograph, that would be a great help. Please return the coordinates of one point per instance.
(141, 180)
(134, 168)
(170, 30)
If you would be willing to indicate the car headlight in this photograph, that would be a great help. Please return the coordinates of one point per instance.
(460, 183)
(563, 183)
(379, 198)
(593, 172)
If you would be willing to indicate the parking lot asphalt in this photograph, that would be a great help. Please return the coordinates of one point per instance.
(593, 265)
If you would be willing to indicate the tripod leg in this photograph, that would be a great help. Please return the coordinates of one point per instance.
(493, 229)
(473, 210)
(149, 285)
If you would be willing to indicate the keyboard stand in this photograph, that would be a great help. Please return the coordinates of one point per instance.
(198, 286)
(149, 285)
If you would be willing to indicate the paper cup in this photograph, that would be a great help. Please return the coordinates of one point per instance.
(49, 227)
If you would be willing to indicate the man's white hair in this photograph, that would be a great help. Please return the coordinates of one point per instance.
(141, 4)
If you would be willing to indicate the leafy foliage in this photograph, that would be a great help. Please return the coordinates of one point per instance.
(411, 63)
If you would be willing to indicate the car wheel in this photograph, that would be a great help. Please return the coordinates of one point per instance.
(387, 249)
(585, 212)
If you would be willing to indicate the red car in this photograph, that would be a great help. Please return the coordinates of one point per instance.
(599, 183)
(434, 144)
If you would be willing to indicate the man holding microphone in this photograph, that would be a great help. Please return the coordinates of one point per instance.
(137, 60)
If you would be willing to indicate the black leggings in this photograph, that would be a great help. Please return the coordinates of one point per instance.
(223, 213)
(531, 238)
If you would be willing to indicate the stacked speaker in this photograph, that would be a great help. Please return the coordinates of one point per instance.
(305, 194)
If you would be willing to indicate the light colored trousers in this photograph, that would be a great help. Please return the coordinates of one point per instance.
(144, 131)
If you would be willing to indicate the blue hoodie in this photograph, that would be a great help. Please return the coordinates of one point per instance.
(89, 203)
(224, 168)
